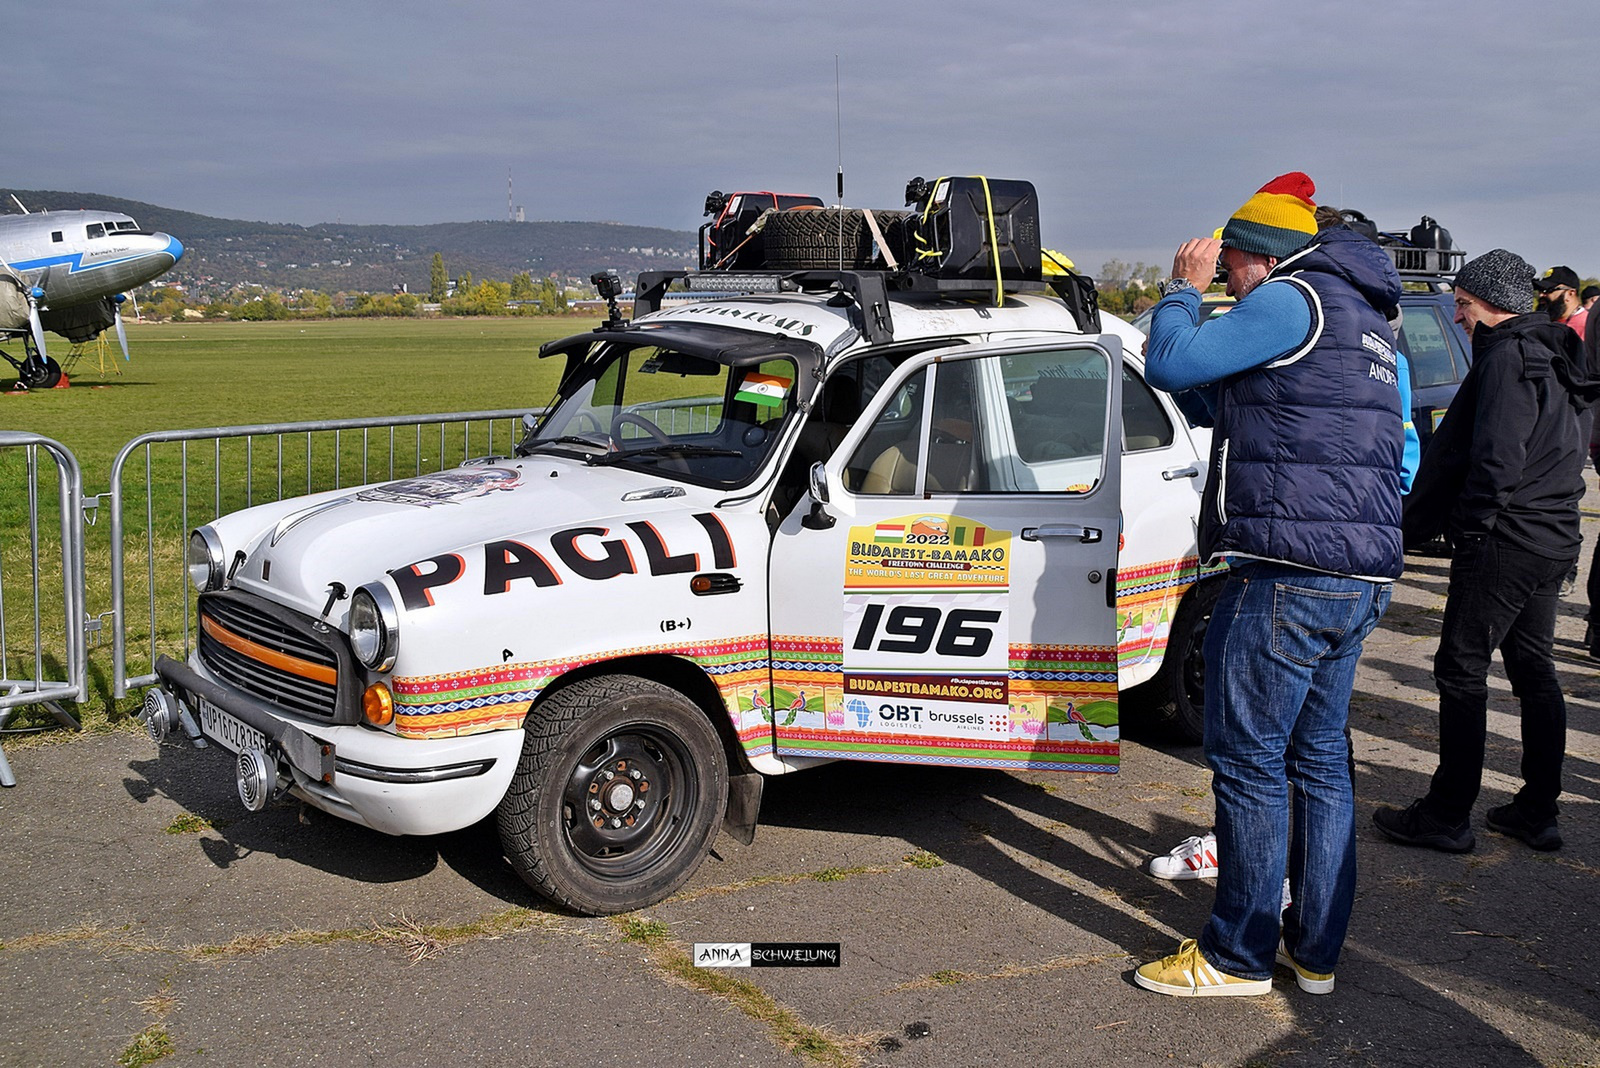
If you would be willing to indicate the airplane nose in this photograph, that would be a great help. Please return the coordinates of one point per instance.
(174, 247)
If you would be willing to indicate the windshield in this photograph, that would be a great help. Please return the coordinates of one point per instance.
(685, 416)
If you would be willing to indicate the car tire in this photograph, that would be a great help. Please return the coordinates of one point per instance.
(620, 789)
(811, 240)
(1177, 693)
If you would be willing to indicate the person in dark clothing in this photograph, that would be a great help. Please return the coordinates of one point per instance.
(1504, 472)
(1591, 352)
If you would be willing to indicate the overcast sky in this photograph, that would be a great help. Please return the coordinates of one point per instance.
(1140, 125)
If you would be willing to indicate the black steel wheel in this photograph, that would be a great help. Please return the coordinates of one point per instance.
(1177, 695)
(620, 790)
(38, 372)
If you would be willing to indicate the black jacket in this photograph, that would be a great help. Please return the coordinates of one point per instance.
(1506, 459)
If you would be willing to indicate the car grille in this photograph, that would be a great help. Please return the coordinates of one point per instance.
(270, 654)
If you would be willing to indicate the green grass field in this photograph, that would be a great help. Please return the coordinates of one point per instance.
(198, 375)
(229, 374)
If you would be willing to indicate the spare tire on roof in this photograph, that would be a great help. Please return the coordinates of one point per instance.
(819, 238)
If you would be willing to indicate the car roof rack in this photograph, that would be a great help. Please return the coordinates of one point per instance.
(1434, 263)
(868, 290)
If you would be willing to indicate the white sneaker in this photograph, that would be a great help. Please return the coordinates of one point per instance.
(1192, 858)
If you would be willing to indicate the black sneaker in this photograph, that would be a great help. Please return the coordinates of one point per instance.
(1414, 825)
(1543, 835)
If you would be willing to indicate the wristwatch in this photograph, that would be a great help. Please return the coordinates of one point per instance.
(1175, 285)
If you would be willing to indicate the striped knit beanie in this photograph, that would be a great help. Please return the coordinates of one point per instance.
(1276, 221)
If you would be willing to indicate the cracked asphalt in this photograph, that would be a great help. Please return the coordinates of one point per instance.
(984, 917)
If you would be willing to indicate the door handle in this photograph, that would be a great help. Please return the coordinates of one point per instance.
(1192, 471)
(1087, 535)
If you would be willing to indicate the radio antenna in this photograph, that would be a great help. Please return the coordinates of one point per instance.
(838, 137)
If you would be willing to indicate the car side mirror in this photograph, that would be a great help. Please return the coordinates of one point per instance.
(817, 483)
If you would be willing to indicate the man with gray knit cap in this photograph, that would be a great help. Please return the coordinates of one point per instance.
(1503, 475)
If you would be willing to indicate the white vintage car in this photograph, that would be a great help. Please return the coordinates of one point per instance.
(753, 534)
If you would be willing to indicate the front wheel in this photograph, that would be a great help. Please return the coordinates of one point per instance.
(621, 787)
(39, 372)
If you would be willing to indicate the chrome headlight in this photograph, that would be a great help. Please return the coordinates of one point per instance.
(205, 560)
(374, 626)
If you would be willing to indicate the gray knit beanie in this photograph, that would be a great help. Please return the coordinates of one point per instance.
(1501, 278)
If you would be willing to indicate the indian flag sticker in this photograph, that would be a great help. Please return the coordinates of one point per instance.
(765, 390)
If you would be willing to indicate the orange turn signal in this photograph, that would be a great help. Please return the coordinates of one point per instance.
(377, 705)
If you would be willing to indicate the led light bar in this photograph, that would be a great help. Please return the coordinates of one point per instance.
(721, 282)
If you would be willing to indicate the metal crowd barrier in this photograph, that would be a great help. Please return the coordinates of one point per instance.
(190, 477)
(40, 664)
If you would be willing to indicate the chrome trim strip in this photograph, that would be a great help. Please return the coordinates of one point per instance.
(358, 770)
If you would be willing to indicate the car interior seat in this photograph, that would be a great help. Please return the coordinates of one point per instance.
(952, 445)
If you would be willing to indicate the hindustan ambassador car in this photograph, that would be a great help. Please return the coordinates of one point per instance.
(827, 521)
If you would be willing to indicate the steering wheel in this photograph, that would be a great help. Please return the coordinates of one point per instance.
(642, 423)
(593, 421)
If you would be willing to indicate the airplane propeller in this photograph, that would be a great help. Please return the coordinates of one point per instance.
(122, 335)
(35, 295)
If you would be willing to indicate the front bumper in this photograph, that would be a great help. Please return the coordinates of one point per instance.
(372, 778)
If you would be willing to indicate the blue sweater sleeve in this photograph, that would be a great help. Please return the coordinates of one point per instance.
(1412, 454)
(1270, 322)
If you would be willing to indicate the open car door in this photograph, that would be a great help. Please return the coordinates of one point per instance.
(952, 600)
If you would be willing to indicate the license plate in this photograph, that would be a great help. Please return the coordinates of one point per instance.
(228, 731)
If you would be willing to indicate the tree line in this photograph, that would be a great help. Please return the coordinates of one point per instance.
(523, 295)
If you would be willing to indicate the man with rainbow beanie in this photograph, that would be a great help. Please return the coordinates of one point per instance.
(1302, 500)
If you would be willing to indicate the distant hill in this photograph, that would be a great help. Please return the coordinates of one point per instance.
(222, 253)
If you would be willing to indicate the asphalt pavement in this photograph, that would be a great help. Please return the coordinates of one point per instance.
(982, 918)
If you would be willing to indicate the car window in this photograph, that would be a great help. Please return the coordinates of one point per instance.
(1026, 423)
(1056, 406)
(1424, 340)
(886, 460)
(670, 412)
(1144, 424)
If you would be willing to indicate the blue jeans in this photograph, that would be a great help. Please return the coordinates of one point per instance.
(1280, 658)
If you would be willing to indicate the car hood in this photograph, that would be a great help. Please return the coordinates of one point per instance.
(295, 551)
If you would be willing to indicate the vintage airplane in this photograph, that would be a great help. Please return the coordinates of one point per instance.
(67, 272)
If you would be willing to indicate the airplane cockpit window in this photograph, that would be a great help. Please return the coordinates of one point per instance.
(127, 224)
(96, 230)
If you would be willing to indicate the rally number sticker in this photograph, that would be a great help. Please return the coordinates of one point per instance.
(929, 664)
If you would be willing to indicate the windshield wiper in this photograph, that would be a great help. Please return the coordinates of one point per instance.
(529, 448)
(657, 451)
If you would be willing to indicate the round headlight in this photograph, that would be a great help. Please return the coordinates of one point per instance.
(204, 559)
(374, 627)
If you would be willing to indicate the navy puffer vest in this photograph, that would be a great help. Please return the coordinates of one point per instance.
(1305, 461)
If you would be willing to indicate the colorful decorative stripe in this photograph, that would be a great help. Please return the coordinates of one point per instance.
(498, 697)
(1147, 599)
